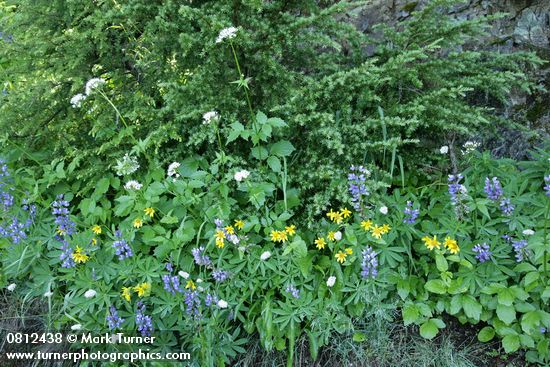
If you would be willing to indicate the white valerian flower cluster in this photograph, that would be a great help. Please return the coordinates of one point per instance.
(384, 210)
(444, 149)
(172, 170)
(11, 287)
(266, 255)
(241, 175)
(133, 185)
(76, 327)
(127, 165)
(90, 293)
(77, 99)
(94, 83)
(330, 281)
(528, 232)
(222, 303)
(337, 235)
(469, 147)
(228, 33)
(209, 117)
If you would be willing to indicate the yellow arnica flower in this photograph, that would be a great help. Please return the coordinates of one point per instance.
(451, 245)
(142, 289)
(126, 294)
(377, 232)
(341, 257)
(331, 214)
(337, 218)
(61, 232)
(431, 243)
(94, 241)
(149, 211)
(290, 230)
(349, 251)
(278, 236)
(346, 213)
(78, 256)
(330, 236)
(385, 228)
(366, 225)
(239, 224)
(320, 243)
(138, 223)
(96, 229)
(220, 235)
(190, 284)
(230, 229)
(220, 242)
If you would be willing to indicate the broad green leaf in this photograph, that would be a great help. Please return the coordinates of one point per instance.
(486, 334)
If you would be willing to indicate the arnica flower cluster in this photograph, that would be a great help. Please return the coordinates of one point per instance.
(410, 214)
(369, 263)
(227, 233)
(283, 236)
(113, 320)
(122, 249)
(357, 185)
(459, 195)
(482, 252)
(494, 191)
(144, 322)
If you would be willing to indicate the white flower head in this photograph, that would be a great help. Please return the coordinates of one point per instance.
(444, 149)
(76, 327)
(90, 293)
(241, 248)
(241, 175)
(209, 117)
(469, 147)
(222, 303)
(228, 33)
(528, 232)
(200, 289)
(48, 294)
(234, 239)
(172, 170)
(93, 84)
(127, 165)
(77, 99)
(11, 287)
(266, 255)
(384, 210)
(199, 280)
(337, 235)
(133, 185)
(330, 281)
(183, 274)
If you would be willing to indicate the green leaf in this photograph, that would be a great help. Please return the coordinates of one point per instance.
(486, 334)
(506, 297)
(506, 313)
(436, 286)
(441, 263)
(359, 337)
(471, 307)
(274, 163)
(282, 148)
(276, 122)
(261, 118)
(236, 129)
(102, 186)
(410, 313)
(510, 343)
(429, 329)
